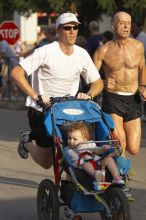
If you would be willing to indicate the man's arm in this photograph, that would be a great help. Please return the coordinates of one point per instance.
(142, 75)
(18, 74)
(95, 88)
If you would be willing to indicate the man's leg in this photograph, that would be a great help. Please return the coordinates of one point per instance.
(133, 135)
(41, 155)
(118, 121)
(40, 149)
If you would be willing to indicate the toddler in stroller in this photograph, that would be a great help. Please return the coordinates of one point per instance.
(85, 155)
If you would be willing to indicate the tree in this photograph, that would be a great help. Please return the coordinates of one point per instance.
(136, 8)
(87, 10)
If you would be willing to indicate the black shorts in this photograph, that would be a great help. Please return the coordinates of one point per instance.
(38, 130)
(127, 107)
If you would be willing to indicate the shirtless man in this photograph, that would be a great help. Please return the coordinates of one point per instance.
(124, 66)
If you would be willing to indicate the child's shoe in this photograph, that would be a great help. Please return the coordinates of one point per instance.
(118, 180)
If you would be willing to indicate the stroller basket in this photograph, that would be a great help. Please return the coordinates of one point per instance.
(77, 200)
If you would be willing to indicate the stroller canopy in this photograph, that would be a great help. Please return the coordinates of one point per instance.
(72, 111)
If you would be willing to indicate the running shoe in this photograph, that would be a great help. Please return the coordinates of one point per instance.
(22, 151)
(128, 194)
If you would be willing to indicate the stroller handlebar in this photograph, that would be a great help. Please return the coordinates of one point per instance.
(61, 99)
(52, 101)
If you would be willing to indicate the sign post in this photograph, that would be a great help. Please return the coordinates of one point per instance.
(9, 31)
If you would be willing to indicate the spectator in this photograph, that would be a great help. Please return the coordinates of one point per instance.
(81, 41)
(107, 36)
(138, 34)
(50, 36)
(9, 59)
(95, 39)
(7, 54)
(19, 48)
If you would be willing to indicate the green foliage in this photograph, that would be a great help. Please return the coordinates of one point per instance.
(59, 6)
(6, 9)
(87, 10)
(109, 7)
(136, 8)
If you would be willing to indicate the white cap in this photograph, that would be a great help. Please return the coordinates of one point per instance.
(66, 18)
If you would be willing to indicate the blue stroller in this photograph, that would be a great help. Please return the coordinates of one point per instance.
(78, 193)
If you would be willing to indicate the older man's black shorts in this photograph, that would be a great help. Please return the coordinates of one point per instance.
(127, 107)
(38, 130)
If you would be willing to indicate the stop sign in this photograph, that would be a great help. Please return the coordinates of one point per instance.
(9, 31)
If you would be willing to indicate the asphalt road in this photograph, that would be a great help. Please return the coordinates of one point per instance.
(19, 178)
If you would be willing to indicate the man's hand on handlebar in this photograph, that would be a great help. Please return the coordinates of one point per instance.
(43, 100)
(46, 99)
(83, 96)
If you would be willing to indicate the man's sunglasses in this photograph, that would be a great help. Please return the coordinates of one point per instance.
(68, 28)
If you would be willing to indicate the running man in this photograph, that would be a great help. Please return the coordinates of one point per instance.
(55, 69)
(124, 66)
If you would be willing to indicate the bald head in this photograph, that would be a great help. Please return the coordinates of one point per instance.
(121, 24)
(121, 15)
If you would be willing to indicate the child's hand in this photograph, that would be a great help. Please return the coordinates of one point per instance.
(106, 147)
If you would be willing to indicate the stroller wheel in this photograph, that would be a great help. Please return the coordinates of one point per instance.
(47, 201)
(118, 205)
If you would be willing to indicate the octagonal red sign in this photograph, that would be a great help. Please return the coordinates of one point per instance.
(9, 31)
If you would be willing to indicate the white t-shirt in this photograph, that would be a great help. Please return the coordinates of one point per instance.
(8, 52)
(57, 74)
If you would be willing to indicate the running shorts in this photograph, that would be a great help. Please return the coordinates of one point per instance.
(126, 106)
(38, 130)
